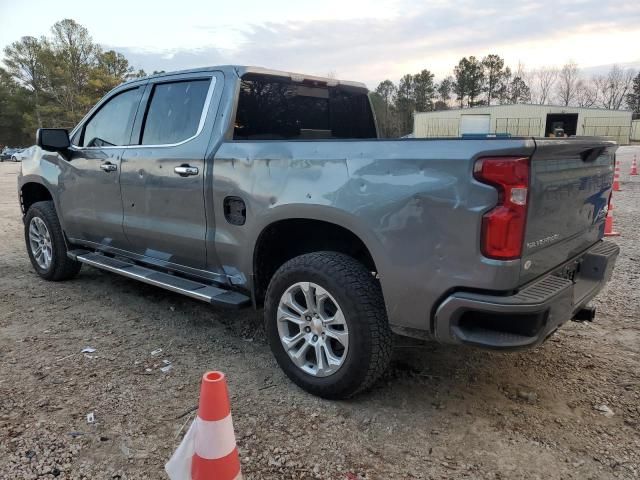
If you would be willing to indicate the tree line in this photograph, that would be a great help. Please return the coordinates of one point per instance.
(55, 79)
(488, 81)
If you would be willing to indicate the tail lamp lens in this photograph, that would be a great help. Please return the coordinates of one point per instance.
(503, 227)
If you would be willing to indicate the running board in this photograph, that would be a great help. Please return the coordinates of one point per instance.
(190, 288)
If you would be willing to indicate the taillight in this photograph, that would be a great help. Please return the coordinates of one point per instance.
(503, 226)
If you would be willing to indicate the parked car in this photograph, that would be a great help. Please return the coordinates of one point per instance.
(21, 154)
(7, 153)
(242, 186)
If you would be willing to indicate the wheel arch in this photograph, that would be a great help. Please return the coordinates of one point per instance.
(32, 192)
(286, 238)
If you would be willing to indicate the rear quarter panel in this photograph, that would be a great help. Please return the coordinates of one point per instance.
(414, 204)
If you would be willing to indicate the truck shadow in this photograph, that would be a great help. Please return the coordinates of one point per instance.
(423, 376)
(445, 381)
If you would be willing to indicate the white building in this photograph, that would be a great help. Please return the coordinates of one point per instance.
(524, 120)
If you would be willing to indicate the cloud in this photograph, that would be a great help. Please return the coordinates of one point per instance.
(172, 60)
(433, 36)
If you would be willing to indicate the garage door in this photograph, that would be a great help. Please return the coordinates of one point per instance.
(475, 124)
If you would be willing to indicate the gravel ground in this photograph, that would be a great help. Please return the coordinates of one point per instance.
(569, 409)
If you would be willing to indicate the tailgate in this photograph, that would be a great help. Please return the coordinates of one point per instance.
(568, 194)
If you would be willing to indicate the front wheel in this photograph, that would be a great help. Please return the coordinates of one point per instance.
(46, 245)
(326, 324)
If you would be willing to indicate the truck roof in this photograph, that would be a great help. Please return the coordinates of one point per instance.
(240, 70)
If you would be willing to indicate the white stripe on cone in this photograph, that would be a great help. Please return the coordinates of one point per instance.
(214, 439)
(179, 465)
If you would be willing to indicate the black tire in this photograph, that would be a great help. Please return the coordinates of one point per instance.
(359, 296)
(61, 267)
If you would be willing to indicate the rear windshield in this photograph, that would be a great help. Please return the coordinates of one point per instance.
(275, 108)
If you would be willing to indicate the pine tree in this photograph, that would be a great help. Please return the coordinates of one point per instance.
(633, 98)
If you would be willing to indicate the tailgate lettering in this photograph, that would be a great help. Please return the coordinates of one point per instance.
(543, 241)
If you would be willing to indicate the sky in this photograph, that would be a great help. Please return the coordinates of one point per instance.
(351, 39)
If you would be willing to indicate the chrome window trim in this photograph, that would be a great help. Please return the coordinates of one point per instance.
(203, 119)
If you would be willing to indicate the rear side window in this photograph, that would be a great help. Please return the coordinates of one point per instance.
(274, 108)
(111, 125)
(174, 111)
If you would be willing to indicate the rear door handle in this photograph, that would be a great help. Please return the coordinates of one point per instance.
(186, 170)
(108, 167)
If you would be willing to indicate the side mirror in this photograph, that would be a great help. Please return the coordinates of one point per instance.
(53, 139)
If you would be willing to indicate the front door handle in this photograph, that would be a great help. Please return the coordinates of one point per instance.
(108, 167)
(186, 170)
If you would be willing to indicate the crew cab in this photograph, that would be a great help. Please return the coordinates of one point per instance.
(241, 186)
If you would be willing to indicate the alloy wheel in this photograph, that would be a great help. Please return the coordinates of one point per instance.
(40, 243)
(312, 329)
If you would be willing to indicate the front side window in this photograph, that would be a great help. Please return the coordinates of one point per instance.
(174, 112)
(111, 125)
(275, 108)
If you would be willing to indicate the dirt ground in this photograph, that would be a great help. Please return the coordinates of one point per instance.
(440, 412)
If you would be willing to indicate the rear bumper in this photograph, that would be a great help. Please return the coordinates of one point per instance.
(528, 317)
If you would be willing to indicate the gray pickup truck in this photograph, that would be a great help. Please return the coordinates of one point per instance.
(242, 186)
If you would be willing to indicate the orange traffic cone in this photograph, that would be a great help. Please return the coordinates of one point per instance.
(208, 451)
(616, 179)
(634, 167)
(608, 223)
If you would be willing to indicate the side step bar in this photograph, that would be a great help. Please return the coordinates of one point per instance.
(190, 288)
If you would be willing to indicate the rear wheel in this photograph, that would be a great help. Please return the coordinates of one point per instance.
(327, 325)
(46, 245)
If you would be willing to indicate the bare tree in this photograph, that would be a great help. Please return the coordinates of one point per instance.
(567, 83)
(625, 86)
(544, 80)
(614, 87)
(523, 73)
(586, 93)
